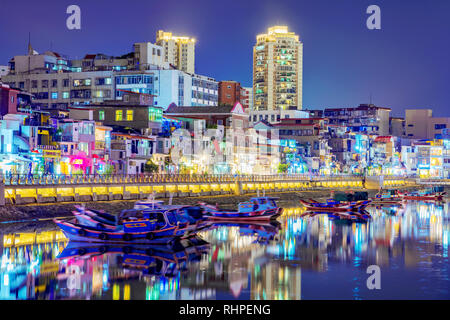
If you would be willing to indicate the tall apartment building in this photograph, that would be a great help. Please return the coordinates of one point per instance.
(277, 73)
(178, 51)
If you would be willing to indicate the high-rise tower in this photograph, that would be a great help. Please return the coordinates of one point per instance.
(179, 51)
(277, 74)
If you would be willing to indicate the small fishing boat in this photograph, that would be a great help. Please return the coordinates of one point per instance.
(387, 197)
(258, 208)
(341, 202)
(430, 194)
(146, 227)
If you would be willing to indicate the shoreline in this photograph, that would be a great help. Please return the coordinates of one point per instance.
(33, 212)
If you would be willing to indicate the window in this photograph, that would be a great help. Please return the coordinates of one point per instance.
(65, 95)
(54, 83)
(65, 83)
(440, 126)
(12, 99)
(21, 85)
(118, 115)
(129, 115)
(44, 83)
(101, 115)
(34, 83)
(54, 95)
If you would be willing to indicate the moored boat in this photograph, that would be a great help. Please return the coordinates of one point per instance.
(256, 209)
(430, 194)
(387, 197)
(153, 227)
(341, 202)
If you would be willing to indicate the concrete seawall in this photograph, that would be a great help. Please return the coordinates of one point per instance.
(83, 192)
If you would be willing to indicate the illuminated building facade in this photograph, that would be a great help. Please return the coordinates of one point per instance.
(277, 74)
(364, 119)
(178, 51)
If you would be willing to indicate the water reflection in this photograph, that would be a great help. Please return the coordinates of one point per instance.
(300, 257)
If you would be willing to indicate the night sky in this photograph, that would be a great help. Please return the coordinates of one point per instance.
(406, 64)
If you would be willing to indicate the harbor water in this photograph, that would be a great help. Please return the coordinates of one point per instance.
(299, 257)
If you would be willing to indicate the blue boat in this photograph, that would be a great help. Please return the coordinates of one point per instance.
(257, 209)
(153, 227)
(191, 215)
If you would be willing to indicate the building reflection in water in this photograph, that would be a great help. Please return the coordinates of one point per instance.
(243, 262)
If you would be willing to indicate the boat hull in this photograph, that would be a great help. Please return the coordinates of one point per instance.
(424, 198)
(75, 232)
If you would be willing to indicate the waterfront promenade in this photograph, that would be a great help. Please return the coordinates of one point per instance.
(23, 189)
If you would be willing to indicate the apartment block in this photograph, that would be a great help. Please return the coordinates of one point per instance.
(277, 72)
(179, 51)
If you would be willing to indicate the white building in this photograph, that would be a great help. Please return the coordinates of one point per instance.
(149, 55)
(420, 124)
(169, 86)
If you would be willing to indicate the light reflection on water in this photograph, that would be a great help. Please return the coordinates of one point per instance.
(302, 258)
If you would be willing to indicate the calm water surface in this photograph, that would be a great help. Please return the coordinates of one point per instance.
(299, 258)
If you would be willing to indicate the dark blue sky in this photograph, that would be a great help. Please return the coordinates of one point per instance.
(406, 64)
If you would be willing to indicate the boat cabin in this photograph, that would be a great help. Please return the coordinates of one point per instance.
(257, 204)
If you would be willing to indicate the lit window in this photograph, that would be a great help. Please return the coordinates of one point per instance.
(54, 95)
(118, 115)
(129, 115)
(65, 95)
(101, 115)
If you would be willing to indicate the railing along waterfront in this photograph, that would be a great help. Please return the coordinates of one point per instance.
(20, 189)
(13, 180)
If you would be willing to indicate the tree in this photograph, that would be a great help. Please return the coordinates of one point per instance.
(151, 167)
(282, 168)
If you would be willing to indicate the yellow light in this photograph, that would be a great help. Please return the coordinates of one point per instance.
(126, 292)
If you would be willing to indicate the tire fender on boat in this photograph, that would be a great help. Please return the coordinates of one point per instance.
(103, 236)
(127, 237)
